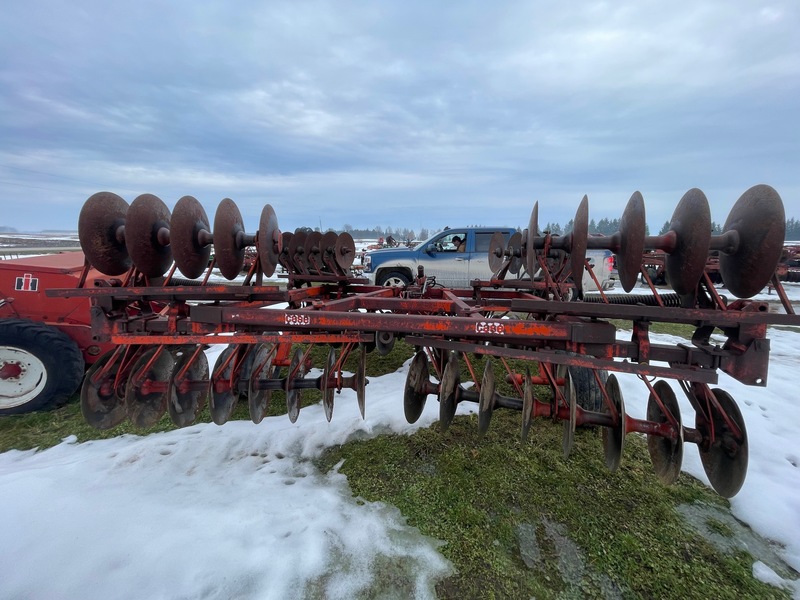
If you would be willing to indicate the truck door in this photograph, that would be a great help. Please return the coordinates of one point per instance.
(479, 255)
(442, 259)
(602, 262)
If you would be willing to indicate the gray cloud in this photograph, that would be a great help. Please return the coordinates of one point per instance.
(401, 114)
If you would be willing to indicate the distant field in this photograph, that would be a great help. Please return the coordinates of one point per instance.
(14, 245)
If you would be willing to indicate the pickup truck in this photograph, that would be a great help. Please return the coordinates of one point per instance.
(455, 267)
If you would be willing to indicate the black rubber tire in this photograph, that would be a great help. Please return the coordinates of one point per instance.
(51, 351)
(399, 275)
(588, 394)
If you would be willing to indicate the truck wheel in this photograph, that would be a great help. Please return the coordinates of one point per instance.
(394, 279)
(40, 366)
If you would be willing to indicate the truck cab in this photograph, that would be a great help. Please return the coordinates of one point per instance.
(455, 265)
(441, 257)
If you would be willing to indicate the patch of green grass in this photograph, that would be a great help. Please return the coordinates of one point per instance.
(474, 494)
(45, 429)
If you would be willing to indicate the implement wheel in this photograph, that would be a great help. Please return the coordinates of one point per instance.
(587, 392)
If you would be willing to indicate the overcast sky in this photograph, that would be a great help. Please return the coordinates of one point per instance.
(401, 114)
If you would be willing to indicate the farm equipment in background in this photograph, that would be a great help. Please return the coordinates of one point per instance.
(45, 343)
(654, 266)
(159, 331)
(789, 265)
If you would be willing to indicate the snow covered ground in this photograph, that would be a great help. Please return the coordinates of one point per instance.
(240, 512)
(207, 512)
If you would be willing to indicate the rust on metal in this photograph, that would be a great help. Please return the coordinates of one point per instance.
(190, 237)
(522, 313)
(147, 235)
(101, 231)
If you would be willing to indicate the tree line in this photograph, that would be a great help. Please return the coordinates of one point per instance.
(601, 227)
(611, 226)
(793, 229)
(401, 234)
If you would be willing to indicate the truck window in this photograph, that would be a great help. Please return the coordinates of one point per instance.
(483, 239)
(448, 242)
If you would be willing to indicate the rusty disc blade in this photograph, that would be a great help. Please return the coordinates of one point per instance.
(228, 226)
(313, 251)
(725, 458)
(145, 409)
(297, 370)
(185, 406)
(345, 251)
(258, 399)
(284, 258)
(527, 405)
(631, 241)
(665, 453)
(415, 393)
(223, 400)
(328, 386)
(246, 358)
(497, 246)
(189, 219)
(102, 215)
(328, 245)
(447, 392)
(759, 221)
(486, 398)
(101, 405)
(269, 240)
(691, 224)
(530, 242)
(148, 219)
(514, 250)
(614, 436)
(578, 242)
(361, 381)
(568, 437)
(297, 251)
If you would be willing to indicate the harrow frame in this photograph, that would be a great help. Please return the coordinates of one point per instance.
(160, 330)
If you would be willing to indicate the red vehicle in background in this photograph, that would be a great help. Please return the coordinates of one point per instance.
(45, 343)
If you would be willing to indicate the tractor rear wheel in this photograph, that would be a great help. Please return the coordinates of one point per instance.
(40, 366)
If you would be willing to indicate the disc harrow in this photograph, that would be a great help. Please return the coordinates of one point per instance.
(524, 328)
(749, 247)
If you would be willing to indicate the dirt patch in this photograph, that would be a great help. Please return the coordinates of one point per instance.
(730, 535)
(538, 541)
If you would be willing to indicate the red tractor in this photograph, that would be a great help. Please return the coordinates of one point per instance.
(45, 343)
